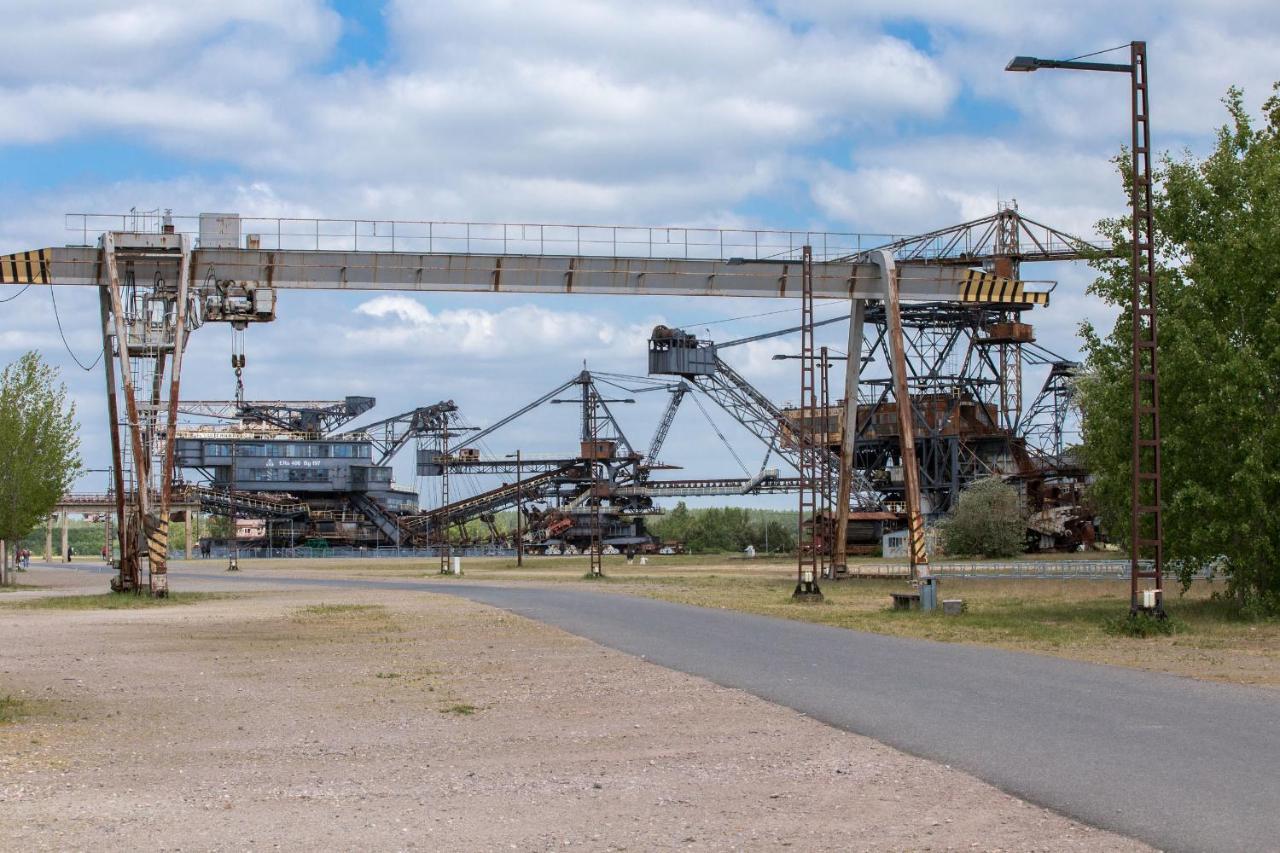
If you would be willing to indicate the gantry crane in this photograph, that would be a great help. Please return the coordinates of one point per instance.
(159, 282)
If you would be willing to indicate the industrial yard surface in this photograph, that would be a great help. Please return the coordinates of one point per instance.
(1067, 618)
(392, 720)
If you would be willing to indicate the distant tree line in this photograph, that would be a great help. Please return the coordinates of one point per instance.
(723, 529)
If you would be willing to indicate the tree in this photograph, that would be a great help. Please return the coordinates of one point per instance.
(988, 520)
(1217, 229)
(39, 448)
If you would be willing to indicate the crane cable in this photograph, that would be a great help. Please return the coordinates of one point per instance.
(16, 295)
(717, 431)
(58, 320)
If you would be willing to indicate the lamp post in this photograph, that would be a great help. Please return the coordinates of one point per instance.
(233, 559)
(519, 511)
(1146, 531)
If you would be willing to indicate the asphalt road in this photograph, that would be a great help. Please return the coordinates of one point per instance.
(1180, 764)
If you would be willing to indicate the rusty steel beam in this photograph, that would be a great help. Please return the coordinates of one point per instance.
(1147, 530)
(130, 559)
(906, 428)
(807, 561)
(159, 544)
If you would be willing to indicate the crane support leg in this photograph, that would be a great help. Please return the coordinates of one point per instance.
(848, 442)
(906, 427)
(144, 327)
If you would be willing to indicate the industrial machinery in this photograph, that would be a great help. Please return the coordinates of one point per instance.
(161, 277)
(287, 462)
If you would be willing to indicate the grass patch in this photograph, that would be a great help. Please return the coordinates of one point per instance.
(11, 709)
(1086, 619)
(114, 601)
(1141, 625)
(325, 611)
(461, 709)
(386, 675)
(593, 577)
(340, 622)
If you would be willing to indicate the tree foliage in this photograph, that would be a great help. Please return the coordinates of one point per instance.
(39, 448)
(1217, 223)
(988, 521)
(721, 529)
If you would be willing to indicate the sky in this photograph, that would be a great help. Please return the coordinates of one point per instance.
(875, 116)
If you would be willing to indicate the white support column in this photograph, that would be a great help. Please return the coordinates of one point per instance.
(852, 375)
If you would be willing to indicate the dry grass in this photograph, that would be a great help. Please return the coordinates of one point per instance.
(1068, 617)
(12, 709)
(112, 601)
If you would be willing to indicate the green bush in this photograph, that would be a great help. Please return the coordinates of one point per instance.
(988, 521)
(1140, 625)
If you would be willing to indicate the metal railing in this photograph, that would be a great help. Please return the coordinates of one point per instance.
(502, 238)
(1030, 569)
(346, 552)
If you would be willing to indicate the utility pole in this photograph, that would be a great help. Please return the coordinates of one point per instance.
(519, 513)
(828, 544)
(806, 443)
(1146, 532)
(233, 561)
(445, 550)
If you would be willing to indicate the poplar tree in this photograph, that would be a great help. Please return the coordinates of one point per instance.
(39, 448)
(1217, 222)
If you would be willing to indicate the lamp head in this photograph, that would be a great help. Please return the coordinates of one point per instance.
(1023, 63)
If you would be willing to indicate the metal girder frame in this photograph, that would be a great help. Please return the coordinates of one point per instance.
(390, 435)
(476, 273)
(761, 416)
(1004, 234)
(933, 333)
(233, 410)
(152, 490)
(664, 427)
(485, 273)
(919, 560)
(506, 466)
(1043, 425)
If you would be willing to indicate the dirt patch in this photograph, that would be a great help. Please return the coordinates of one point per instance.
(410, 721)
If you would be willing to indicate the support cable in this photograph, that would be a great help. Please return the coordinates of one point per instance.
(717, 431)
(58, 320)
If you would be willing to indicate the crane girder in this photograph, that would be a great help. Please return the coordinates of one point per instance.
(214, 269)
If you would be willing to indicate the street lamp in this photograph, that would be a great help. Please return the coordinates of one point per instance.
(519, 511)
(1146, 531)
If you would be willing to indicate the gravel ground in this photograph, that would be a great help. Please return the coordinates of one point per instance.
(413, 721)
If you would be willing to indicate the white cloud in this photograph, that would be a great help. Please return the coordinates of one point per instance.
(530, 331)
(823, 114)
(929, 183)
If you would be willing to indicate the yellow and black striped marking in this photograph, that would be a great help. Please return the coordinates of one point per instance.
(26, 267)
(979, 286)
(157, 530)
(915, 534)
